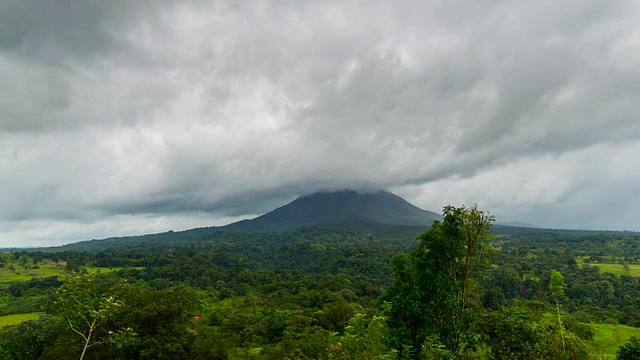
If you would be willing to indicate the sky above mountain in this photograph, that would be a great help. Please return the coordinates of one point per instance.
(128, 117)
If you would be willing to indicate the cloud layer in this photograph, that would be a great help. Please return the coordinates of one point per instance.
(121, 118)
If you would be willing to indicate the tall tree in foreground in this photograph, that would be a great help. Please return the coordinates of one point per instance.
(85, 309)
(430, 312)
(556, 286)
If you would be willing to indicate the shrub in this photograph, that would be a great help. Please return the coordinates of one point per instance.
(630, 350)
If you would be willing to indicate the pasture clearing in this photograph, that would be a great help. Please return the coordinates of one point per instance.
(15, 319)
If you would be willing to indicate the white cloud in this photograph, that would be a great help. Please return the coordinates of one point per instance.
(115, 110)
(588, 188)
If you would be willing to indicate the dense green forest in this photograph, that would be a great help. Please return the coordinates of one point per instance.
(317, 293)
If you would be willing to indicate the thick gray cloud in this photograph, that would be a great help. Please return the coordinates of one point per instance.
(122, 117)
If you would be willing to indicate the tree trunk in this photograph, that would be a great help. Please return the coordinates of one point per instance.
(560, 324)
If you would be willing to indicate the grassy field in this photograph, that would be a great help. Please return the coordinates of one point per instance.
(608, 338)
(614, 268)
(16, 319)
(634, 270)
(102, 270)
(8, 276)
(22, 274)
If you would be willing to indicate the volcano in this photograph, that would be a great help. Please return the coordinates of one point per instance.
(340, 209)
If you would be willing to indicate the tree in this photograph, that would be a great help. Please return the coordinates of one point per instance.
(28, 339)
(630, 350)
(432, 289)
(556, 286)
(525, 333)
(161, 322)
(363, 339)
(85, 309)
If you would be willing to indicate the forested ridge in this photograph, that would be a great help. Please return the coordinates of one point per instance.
(317, 293)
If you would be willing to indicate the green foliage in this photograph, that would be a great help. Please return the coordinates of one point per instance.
(292, 295)
(12, 273)
(432, 289)
(609, 337)
(29, 339)
(209, 347)
(85, 307)
(15, 319)
(630, 350)
(524, 333)
(364, 338)
(556, 286)
(124, 321)
(494, 299)
(153, 324)
(584, 331)
(335, 316)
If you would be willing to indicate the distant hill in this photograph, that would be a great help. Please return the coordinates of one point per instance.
(385, 215)
(345, 209)
(379, 212)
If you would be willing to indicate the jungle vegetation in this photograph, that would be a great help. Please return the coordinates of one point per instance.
(458, 291)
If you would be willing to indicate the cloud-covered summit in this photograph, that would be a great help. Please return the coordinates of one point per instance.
(122, 118)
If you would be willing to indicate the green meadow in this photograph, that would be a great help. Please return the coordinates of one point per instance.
(613, 268)
(608, 338)
(21, 274)
(8, 276)
(15, 319)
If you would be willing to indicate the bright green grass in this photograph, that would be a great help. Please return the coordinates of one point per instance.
(608, 338)
(617, 269)
(22, 274)
(634, 270)
(16, 319)
(102, 270)
(45, 270)
(249, 301)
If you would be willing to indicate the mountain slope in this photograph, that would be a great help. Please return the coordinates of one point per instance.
(345, 209)
(378, 212)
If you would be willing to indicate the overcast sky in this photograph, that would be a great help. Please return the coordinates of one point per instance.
(130, 117)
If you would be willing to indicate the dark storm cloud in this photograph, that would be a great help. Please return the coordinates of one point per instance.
(54, 31)
(64, 63)
(126, 117)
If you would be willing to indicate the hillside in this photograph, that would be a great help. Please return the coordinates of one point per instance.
(377, 212)
(341, 209)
